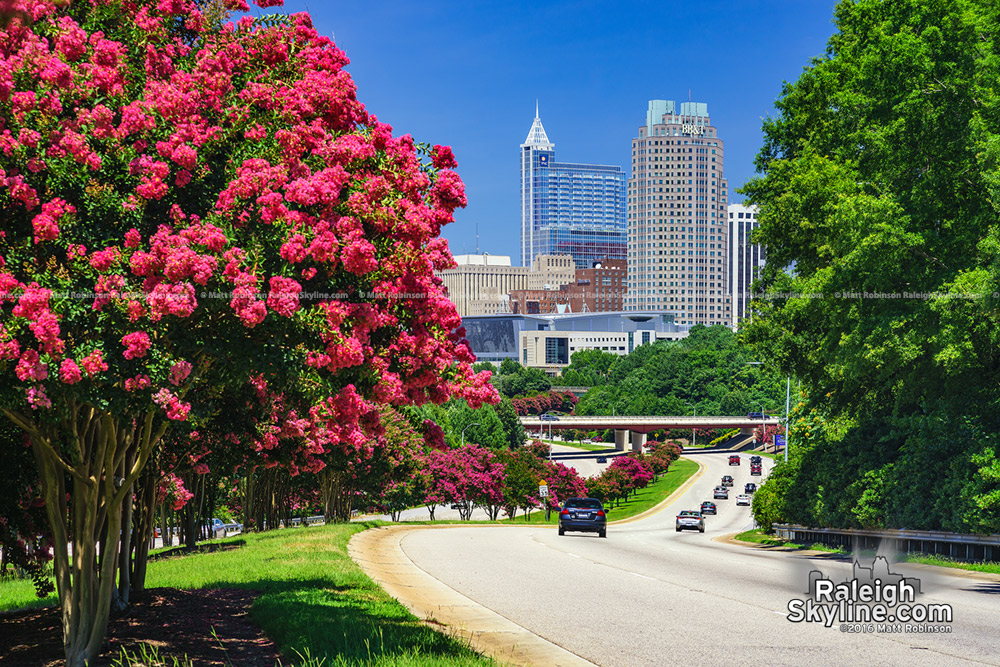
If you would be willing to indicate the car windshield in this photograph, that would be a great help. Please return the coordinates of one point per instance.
(688, 513)
(584, 503)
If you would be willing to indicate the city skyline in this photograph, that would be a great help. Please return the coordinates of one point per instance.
(468, 76)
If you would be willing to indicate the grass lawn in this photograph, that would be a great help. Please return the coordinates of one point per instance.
(643, 499)
(582, 445)
(758, 536)
(990, 567)
(313, 598)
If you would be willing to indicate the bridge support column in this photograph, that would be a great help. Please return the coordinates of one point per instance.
(620, 436)
(638, 441)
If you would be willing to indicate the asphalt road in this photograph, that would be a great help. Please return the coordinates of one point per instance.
(647, 595)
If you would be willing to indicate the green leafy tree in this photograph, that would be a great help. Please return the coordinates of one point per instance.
(512, 428)
(879, 182)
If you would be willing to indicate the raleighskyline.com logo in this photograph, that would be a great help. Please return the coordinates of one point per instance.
(874, 600)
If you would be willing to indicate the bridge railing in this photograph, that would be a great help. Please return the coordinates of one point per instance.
(959, 546)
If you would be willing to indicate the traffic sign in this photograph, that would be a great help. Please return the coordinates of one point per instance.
(779, 440)
(543, 490)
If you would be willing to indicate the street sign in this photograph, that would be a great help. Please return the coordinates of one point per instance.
(543, 491)
(779, 440)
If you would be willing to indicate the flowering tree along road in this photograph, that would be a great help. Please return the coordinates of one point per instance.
(190, 205)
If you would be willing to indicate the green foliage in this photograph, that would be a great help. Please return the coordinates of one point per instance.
(725, 436)
(880, 178)
(481, 426)
(707, 370)
(588, 368)
(512, 428)
(523, 380)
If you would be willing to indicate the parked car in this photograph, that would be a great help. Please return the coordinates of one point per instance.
(734, 460)
(585, 515)
(602, 459)
(690, 519)
(743, 499)
(215, 528)
(721, 492)
(727, 480)
(708, 507)
(750, 488)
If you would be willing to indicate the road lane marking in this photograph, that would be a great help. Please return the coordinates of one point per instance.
(636, 574)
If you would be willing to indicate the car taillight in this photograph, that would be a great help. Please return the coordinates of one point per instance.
(600, 512)
(563, 512)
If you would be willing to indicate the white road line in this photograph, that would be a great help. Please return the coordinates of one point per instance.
(642, 575)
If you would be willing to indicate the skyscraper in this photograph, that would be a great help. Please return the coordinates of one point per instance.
(745, 259)
(569, 208)
(677, 236)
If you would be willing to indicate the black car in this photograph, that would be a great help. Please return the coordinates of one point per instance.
(755, 459)
(602, 459)
(708, 507)
(755, 415)
(727, 480)
(585, 515)
(750, 488)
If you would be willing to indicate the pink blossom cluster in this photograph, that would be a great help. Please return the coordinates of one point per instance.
(46, 223)
(179, 372)
(136, 344)
(173, 406)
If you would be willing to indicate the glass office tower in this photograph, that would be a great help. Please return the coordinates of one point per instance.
(569, 208)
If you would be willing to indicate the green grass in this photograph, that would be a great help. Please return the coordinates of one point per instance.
(20, 594)
(990, 567)
(641, 501)
(313, 598)
(582, 445)
(758, 536)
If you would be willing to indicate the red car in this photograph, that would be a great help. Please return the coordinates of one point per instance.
(734, 460)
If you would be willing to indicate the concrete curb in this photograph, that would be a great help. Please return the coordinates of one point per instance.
(378, 551)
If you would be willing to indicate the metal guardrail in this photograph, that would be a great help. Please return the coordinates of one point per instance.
(960, 546)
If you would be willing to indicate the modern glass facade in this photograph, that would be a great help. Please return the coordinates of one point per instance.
(677, 235)
(746, 261)
(569, 208)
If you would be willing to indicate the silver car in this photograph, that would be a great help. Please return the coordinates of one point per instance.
(690, 520)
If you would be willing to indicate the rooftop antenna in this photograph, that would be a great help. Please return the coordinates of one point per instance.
(536, 107)
(477, 237)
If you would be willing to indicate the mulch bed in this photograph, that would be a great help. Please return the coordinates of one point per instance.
(177, 622)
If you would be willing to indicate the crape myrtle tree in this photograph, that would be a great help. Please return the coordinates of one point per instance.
(189, 203)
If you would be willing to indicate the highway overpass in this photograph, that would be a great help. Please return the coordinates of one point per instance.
(635, 428)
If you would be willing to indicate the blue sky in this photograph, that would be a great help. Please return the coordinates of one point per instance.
(467, 74)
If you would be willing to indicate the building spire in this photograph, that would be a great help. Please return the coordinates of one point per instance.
(536, 135)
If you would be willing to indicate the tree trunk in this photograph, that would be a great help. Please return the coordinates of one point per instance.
(86, 450)
(144, 531)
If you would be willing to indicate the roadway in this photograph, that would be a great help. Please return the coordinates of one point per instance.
(647, 595)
